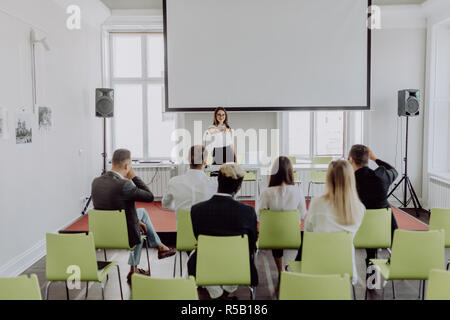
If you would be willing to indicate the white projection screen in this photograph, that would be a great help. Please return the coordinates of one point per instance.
(267, 55)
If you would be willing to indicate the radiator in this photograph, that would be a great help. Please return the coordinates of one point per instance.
(438, 193)
(157, 179)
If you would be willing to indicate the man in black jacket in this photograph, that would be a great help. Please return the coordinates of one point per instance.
(118, 189)
(372, 185)
(223, 216)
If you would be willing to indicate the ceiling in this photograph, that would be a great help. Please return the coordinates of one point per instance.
(157, 4)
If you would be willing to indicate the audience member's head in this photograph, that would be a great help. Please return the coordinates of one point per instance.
(121, 161)
(359, 156)
(198, 157)
(341, 192)
(230, 178)
(282, 172)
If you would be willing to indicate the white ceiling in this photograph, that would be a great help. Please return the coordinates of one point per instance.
(157, 4)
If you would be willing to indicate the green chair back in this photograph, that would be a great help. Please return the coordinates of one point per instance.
(147, 288)
(64, 251)
(293, 160)
(185, 234)
(250, 176)
(223, 261)
(416, 253)
(298, 286)
(327, 253)
(109, 228)
(321, 160)
(438, 285)
(319, 176)
(20, 288)
(375, 230)
(279, 229)
(440, 220)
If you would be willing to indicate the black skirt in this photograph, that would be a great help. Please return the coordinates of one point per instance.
(223, 155)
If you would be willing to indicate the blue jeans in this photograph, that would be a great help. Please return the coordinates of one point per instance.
(152, 237)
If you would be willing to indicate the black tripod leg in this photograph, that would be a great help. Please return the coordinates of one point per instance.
(86, 206)
(395, 188)
(414, 195)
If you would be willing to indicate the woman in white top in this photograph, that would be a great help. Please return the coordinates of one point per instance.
(282, 194)
(221, 135)
(339, 209)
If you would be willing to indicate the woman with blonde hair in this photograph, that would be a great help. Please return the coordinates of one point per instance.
(339, 209)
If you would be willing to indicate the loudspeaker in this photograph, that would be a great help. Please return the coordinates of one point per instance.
(104, 103)
(408, 102)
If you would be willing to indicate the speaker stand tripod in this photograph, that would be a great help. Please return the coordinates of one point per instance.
(104, 164)
(407, 185)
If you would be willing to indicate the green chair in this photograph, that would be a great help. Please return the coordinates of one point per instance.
(147, 288)
(223, 261)
(440, 220)
(375, 230)
(20, 288)
(185, 237)
(68, 252)
(438, 285)
(296, 175)
(110, 231)
(414, 255)
(325, 254)
(298, 286)
(318, 176)
(279, 229)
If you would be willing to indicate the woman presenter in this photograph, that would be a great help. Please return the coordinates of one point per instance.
(221, 137)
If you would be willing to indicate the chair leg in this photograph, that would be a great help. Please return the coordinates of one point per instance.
(67, 290)
(365, 293)
(175, 264)
(148, 259)
(393, 290)
(354, 292)
(47, 289)
(181, 264)
(87, 290)
(106, 259)
(420, 288)
(120, 282)
(423, 289)
(252, 293)
(309, 189)
(103, 290)
(448, 265)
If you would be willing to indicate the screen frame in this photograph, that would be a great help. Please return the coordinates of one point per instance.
(273, 108)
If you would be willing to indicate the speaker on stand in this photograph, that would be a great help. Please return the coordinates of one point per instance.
(408, 106)
(104, 108)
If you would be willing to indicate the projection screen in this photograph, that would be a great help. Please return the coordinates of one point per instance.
(267, 55)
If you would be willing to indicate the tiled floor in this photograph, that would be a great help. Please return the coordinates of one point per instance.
(266, 290)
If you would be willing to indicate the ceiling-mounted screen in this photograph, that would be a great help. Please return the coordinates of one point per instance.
(262, 55)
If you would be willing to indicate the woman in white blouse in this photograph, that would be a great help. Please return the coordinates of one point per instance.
(282, 194)
(221, 135)
(339, 209)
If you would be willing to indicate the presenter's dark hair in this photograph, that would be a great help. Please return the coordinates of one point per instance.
(215, 122)
(198, 155)
(360, 155)
(120, 156)
(282, 171)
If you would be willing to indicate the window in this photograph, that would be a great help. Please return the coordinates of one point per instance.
(137, 76)
(322, 133)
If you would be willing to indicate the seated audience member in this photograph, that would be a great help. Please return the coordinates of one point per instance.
(339, 209)
(118, 189)
(193, 187)
(222, 215)
(372, 185)
(282, 194)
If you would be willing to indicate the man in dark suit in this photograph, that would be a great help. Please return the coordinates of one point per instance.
(118, 189)
(222, 215)
(372, 185)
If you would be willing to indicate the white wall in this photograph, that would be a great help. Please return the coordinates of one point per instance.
(398, 62)
(41, 183)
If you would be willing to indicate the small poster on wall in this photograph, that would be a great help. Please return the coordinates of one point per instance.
(4, 129)
(45, 118)
(23, 127)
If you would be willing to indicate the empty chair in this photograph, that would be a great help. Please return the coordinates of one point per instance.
(438, 285)
(375, 230)
(414, 255)
(299, 286)
(223, 261)
(279, 229)
(185, 237)
(440, 220)
(20, 288)
(70, 255)
(318, 176)
(147, 288)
